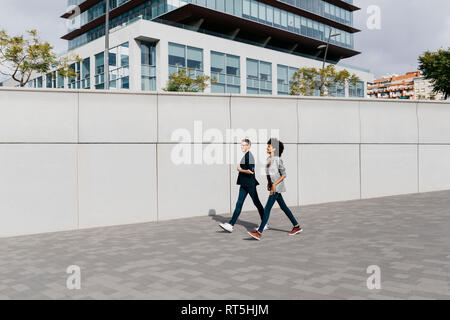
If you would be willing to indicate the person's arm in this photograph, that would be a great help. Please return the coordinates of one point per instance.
(249, 165)
(245, 171)
(282, 171)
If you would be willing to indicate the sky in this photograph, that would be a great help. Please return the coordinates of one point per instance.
(408, 28)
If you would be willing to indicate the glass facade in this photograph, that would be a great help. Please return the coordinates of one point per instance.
(185, 57)
(324, 9)
(225, 69)
(60, 81)
(284, 78)
(269, 15)
(74, 83)
(86, 74)
(94, 12)
(248, 9)
(148, 10)
(74, 2)
(148, 66)
(337, 90)
(118, 68)
(37, 83)
(51, 80)
(356, 91)
(259, 77)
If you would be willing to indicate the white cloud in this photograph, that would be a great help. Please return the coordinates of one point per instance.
(409, 28)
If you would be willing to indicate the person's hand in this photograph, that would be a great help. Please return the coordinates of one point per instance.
(273, 189)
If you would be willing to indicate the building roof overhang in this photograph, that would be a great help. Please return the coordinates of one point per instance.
(100, 20)
(85, 5)
(223, 23)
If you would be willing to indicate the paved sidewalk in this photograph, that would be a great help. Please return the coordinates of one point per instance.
(408, 237)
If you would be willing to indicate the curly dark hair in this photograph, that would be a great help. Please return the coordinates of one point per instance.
(278, 145)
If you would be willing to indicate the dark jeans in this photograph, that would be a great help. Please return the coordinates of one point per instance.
(243, 191)
(270, 202)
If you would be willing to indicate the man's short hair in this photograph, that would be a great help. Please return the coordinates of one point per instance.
(247, 141)
(278, 145)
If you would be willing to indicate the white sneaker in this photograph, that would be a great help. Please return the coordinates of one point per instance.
(227, 227)
(265, 228)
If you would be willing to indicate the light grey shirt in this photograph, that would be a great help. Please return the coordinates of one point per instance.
(275, 171)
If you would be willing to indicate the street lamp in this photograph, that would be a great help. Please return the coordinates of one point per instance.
(106, 62)
(325, 55)
(326, 46)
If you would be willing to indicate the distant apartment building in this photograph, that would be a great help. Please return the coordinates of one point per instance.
(394, 86)
(412, 86)
(424, 90)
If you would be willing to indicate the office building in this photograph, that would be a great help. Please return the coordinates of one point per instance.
(248, 46)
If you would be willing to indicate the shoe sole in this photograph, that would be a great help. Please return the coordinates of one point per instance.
(293, 234)
(225, 229)
(254, 236)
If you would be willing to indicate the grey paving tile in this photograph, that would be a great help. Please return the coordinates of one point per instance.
(406, 236)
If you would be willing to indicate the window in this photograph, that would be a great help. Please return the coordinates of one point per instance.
(177, 56)
(60, 81)
(259, 77)
(51, 80)
(284, 78)
(270, 15)
(74, 82)
(254, 10)
(118, 68)
(229, 6)
(357, 91)
(225, 69)
(276, 17)
(86, 67)
(182, 57)
(194, 58)
(262, 12)
(148, 66)
(246, 8)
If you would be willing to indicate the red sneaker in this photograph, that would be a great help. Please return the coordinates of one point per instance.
(255, 234)
(295, 230)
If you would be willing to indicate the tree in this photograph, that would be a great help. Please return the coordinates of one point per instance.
(306, 80)
(435, 67)
(21, 56)
(181, 81)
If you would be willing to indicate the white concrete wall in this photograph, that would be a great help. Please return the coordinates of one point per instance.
(81, 159)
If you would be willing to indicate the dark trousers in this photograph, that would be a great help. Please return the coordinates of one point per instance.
(243, 191)
(270, 202)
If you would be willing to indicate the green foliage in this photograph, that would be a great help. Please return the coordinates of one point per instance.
(181, 81)
(21, 56)
(435, 67)
(306, 80)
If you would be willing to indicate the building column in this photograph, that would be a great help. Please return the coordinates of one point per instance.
(274, 79)
(207, 67)
(135, 69)
(243, 61)
(92, 72)
(162, 64)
